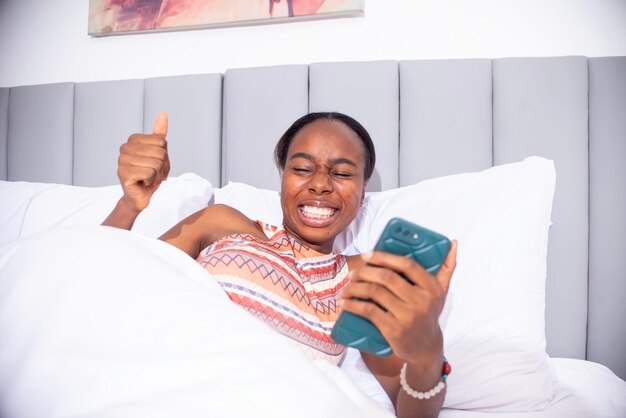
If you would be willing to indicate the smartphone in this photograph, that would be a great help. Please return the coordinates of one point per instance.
(428, 248)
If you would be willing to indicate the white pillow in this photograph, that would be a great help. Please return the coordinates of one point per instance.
(493, 321)
(15, 196)
(29, 208)
(257, 204)
(174, 200)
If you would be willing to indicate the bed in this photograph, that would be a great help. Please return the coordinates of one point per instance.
(521, 159)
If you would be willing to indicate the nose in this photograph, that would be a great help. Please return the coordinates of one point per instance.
(320, 183)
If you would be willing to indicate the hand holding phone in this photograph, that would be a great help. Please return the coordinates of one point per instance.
(428, 248)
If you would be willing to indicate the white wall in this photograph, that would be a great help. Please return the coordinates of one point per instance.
(46, 41)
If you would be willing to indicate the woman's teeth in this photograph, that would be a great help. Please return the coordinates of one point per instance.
(315, 212)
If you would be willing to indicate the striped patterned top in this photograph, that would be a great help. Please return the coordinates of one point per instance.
(287, 284)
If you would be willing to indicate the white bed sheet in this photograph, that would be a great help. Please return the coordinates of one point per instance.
(584, 389)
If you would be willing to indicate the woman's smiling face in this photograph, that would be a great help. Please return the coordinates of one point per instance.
(323, 183)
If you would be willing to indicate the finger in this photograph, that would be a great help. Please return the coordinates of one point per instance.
(369, 311)
(403, 265)
(151, 146)
(136, 175)
(386, 278)
(143, 150)
(377, 294)
(152, 140)
(140, 161)
(166, 166)
(444, 276)
(160, 124)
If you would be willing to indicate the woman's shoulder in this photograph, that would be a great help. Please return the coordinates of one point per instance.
(220, 220)
(207, 225)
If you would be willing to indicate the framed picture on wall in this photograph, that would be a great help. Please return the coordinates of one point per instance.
(116, 17)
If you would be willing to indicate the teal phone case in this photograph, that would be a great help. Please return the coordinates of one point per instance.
(426, 247)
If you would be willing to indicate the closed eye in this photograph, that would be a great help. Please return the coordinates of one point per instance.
(341, 174)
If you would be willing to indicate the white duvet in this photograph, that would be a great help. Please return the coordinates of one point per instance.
(99, 322)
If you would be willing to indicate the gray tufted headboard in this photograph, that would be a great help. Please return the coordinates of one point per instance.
(428, 118)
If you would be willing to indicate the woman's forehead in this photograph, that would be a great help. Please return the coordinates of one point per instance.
(327, 137)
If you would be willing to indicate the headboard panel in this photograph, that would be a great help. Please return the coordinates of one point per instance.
(367, 91)
(41, 133)
(194, 106)
(432, 117)
(4, 125)
(259, 105)
(540, 107)
(107, 112)
(103, 111)
(606, 338)
(445, 124)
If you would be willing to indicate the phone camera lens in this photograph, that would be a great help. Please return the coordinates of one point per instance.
(397, 229)
(405, 232)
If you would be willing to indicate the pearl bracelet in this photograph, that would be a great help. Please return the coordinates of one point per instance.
(428, 394)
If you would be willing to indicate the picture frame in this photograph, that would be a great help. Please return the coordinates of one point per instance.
(119, 17)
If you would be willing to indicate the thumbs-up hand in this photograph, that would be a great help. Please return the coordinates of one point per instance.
(143, 164)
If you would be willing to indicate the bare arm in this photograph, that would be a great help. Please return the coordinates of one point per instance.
(142, 165)
(409, 322)
(206, 226)
(422, 376)
(123, 216)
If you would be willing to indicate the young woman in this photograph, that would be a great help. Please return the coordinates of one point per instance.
(288, 275)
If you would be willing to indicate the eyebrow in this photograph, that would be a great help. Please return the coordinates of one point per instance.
(333, 161)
